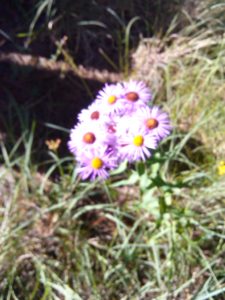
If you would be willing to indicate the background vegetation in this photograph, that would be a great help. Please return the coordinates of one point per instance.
(154, 233)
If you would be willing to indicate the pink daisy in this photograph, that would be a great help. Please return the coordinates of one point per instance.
(135, 145)
(93, 113)
(87, 135)
(110, 98)
(136, 94)
(155, 121)
(96, 163)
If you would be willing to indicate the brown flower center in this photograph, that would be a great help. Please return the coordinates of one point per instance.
(111, 129)
(132, 96)
(89, 138)
(152, 123)
(95, 115)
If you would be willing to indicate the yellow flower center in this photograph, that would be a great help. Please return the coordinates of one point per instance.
(152, 123)
(138, 140)
(132, 96)
(112, 99)
(96, 163)
(89, 138)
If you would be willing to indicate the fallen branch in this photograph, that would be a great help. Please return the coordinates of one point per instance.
(42, 63)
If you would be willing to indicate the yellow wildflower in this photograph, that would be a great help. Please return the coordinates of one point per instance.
(221, 168)
(53, 144)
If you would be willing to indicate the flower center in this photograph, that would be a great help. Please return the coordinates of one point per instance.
(96, 163)
(112, 99)
(111, 129)
(132, 96)
(152, 123)
(95, 115)
(89, 138)
(138, 140)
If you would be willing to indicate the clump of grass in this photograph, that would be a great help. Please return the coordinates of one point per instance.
(186, 73)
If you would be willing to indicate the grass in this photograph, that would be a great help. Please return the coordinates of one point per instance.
(64, 239)
(153, 234)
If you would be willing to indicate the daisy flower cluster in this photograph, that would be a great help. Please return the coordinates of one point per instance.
(119, 125)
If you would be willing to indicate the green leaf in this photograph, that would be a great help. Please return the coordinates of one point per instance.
(150, 203)
(133, 179)
(122, 168)
(140, 167)
(145, 181)
(155, 169)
